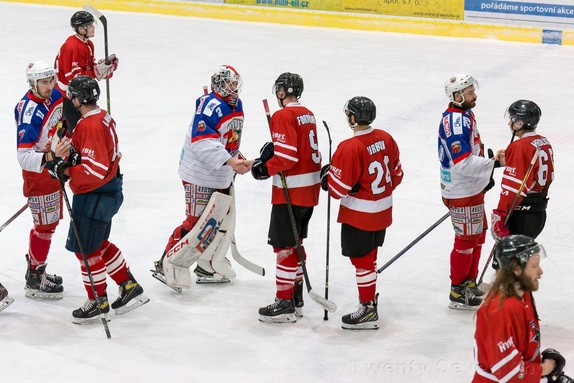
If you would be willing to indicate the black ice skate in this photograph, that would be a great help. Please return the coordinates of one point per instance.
(280, 311)
(298, 298)
(5, 299)
(130, 296)
(463, 298)
(157, 273)
(89, 312)
(38, 286)
(56, 279)
(472, 286)
(204, 276)
(365, 318)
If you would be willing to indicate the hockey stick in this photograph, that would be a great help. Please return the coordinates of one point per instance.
(326, 315)
(512, 207)
(417, 239)
(104, 22)
(13, 217)
(323, 302)
(85, 260)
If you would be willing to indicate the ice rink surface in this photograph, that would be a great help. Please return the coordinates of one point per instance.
(212, 333)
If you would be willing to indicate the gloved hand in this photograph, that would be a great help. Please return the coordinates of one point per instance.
(497, 228)
(105, 68)
(491, 155)
(560, 378)
(266, 152)
(56, 169)
(259, 170)
(325, 177)
(74, 158)
(551, 353)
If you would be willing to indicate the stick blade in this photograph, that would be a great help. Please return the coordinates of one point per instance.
(325, 303)
(245, 262)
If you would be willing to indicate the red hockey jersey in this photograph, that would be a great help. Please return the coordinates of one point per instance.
(518, 156)
(96, 140)
(507, 341)
(297, 155)
(371, 159)
(75, 58)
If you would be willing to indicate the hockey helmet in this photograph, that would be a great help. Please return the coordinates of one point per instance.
(457, 84)
(526, 111)
(81, 19)
(519, 247)
(226, 82)
(363, 108)
(291, 83)
(85, 88)
(37, 71)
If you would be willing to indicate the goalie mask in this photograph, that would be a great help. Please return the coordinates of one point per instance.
(519, 247)
(457, 84)
(226, 82)
(362, 108)
(85, 88)
(524, 111)
(38, 71)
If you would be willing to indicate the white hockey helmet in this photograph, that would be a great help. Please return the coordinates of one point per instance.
(37, 71)
(457, 84)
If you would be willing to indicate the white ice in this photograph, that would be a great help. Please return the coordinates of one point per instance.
(211, 333)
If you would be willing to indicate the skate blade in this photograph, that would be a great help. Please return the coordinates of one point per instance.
(86, 321)
(6, 302)
(360, 326)
(159, 276)
(283, 318)
(140, 300)
(211, 281)
(485, 287)
(462, 306)
(36, 294)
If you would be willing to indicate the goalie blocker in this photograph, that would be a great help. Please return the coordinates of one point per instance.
(207, 243)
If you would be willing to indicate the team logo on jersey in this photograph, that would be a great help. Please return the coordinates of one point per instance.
(446, 126)
(30, 110)
(201, 126)
(21, 133)
(200, 106)
(278, 137)
(457, 122)
(455, 147)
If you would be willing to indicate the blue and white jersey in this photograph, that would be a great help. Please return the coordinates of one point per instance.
(212, 139)
(464, 172)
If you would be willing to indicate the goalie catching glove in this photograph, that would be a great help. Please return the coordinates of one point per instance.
(105, 68)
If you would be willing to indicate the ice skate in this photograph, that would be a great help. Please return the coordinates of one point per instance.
(89, 312)
(365, 318)
(56, 279)
(462, 298)
(472, 286)
(157, 273)
(298, 298)
(280, 311)
(5, 299)
(38, 286)
(204, 277)
(130, 296)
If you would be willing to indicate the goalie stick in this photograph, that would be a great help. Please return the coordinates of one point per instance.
(13, 217)
(323, 302)
(104, 22)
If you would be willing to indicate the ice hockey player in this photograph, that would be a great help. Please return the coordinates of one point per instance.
(529, 216)
(76, 58)
(464, 176)
(364, 172)
(507, 337)
(293, 154)
(5, 299)
(208, 163)
(92, 168)
(38, 115)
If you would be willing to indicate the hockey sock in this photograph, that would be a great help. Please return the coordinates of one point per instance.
(461, 259)
(39, 246)
(366, 274)
(286, 271)
(98, 271)
(476, 251)
(116, 266)
(181, 231)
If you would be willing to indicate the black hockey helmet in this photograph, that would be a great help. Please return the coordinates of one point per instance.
(519, 247)
(85, 88)
(526, 111)
(363, 108)
(292, 84)
(81, 19)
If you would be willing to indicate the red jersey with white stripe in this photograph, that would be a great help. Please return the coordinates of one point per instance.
(507, 341)
(294, 134)
(371, 159)
(96, 140)
(75, 58)
(518, 156)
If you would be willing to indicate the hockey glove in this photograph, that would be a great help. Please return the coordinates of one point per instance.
(266, 152)
(74, 158)
(491, 155)
(561, 378)
(259, 170)
(56, 169)
(497, 229)
(104, 69)
(325, 177)
(490, 185)
(551, 353)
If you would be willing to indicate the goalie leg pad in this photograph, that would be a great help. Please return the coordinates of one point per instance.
(176, 277)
